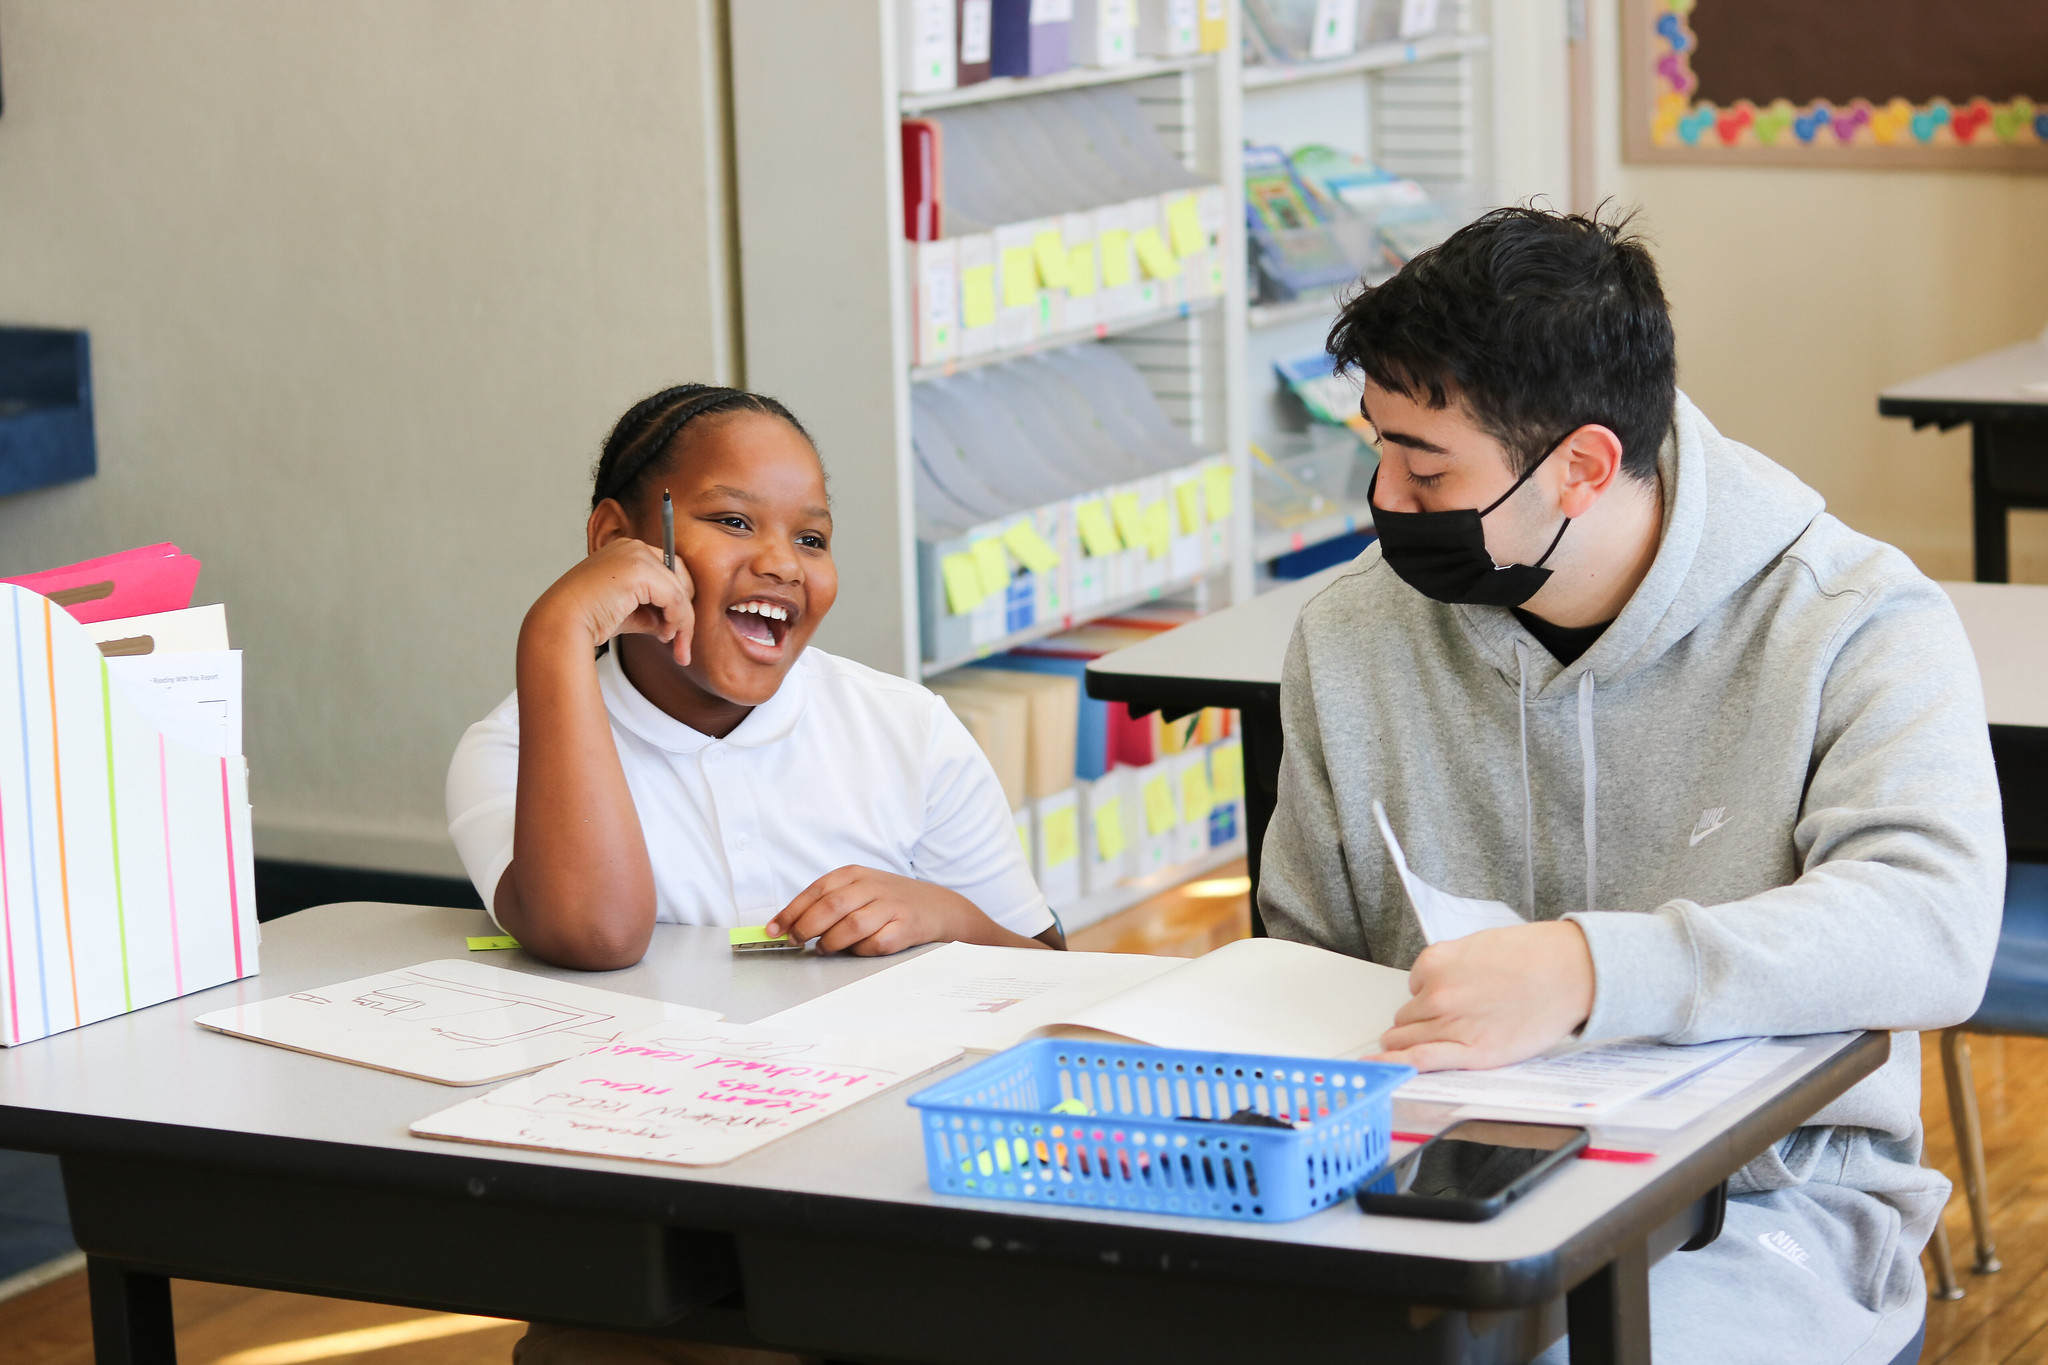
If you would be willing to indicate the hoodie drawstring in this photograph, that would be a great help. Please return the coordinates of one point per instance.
(1591, 784)
(1528, 806)
(1589, 787)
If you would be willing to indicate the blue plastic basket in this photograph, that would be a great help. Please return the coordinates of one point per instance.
(1152, 1142)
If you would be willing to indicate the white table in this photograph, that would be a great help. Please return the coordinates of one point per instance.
(2004, 398)
(195, 1155)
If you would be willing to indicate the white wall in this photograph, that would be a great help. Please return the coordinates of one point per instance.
(367, 282)
(1798, 294)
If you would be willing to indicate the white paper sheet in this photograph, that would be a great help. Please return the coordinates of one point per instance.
(455, 1022)
(1584, 1080)
(1442, 915)
(170, 632)
(194, 698)
(694, 1096)
(1675, 1106)
(1260, 995)
(971, 996)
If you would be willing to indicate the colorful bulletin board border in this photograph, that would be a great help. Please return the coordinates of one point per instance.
(1665, 122)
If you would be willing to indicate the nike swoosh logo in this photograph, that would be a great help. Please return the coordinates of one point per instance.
(1699, 834)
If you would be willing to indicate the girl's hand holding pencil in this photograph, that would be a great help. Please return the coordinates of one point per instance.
(621, 589)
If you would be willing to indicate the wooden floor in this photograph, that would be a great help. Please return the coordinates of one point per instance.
(2002, 1319)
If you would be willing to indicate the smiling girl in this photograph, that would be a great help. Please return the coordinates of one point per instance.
(675, 752)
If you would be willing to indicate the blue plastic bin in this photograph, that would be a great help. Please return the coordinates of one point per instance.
(1152, 1143)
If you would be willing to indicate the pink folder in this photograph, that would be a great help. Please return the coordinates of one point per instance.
(136, 582)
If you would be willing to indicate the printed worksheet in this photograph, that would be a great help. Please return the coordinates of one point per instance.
(693, 1096)
(1680, 1103)
(455, 1022)
(1589, 1079)
(194, 697)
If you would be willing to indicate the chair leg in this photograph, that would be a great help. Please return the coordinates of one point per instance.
(1969, 1131)
(1945, 1286)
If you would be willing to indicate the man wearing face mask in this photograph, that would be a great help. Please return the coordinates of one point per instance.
(1725, 757)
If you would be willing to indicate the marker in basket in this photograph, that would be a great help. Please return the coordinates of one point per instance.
(754, 938)
(668, 531)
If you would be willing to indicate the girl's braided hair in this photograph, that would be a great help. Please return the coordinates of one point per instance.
(642, 438)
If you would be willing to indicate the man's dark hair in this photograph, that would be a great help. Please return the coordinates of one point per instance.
(1538, 323)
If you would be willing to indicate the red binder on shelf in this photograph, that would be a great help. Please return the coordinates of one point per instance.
(923, 179)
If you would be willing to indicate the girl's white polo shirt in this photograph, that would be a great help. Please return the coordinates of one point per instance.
(842, 766)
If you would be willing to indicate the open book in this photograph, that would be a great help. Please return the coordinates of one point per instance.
(1259, 995)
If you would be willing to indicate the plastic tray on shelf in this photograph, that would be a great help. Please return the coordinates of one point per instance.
(1153, 1139)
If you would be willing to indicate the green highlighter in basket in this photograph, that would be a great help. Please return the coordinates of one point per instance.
(754, 938)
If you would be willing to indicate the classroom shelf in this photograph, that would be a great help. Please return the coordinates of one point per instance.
(1137, 322)
(1067, 622)
(1096, 908)
(1269, 545)
(1374, 57)
(1263, 315)
(1016, 87)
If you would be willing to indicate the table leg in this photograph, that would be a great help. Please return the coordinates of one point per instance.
(1262, 744)
(131, 1316)
(1608, 1315)
(1987, 511)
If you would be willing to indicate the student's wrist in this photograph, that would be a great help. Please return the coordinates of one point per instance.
(555, 630)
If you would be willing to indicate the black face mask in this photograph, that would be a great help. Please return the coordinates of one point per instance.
(1443, 554)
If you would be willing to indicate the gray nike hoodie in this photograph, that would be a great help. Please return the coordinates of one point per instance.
(1765, 793)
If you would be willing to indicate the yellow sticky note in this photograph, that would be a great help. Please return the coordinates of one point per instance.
(1081, 270)
(1158, 262)
(1195, 797)
(1116, 258)
(1160, 816)
(1184, 226)
(1098, 537)
(1030, 547)
(1051, 254)
(1226, 764)
(484, 943)
(990, 568)
(1158, 531)
(1130, 519)
(1216, 481)
(1187, 498)
(1024, 840)
(963, 583)
(978, 296)
(1061, 836)
(1109, 829)
(1020, 277)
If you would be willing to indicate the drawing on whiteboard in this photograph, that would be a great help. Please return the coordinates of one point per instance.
(499, 1017)
(456, 1022)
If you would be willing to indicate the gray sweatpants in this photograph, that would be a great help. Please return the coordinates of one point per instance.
(1815, 1273)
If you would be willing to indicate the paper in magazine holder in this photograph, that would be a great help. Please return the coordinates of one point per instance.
(126, 876)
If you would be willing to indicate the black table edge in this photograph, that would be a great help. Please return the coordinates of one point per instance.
(1952, 412)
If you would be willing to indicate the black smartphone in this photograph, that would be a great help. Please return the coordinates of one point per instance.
(1472, 1169)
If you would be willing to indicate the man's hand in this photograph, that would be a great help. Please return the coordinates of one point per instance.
(870, 913)
(1494, 997)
